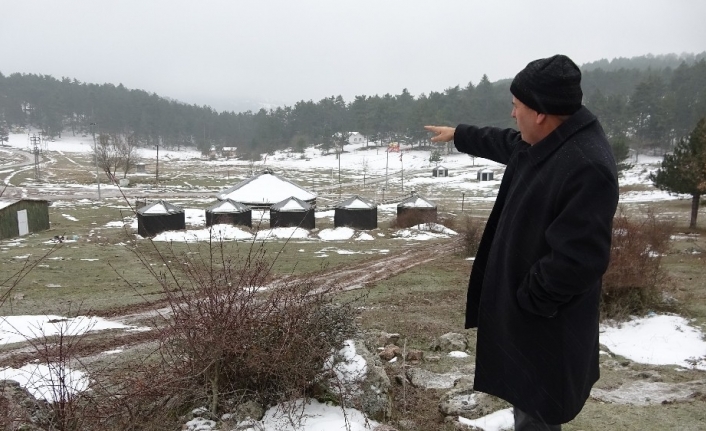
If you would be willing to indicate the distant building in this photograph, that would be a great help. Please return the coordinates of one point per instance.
(229, 212)
(19, 217)
(292, 212)
(140, 168)
(159, 217)
(485, 175)
(356, 138)
(357, 213)
(229, 152)
(266, 189)
(415, 210)
(440, 171)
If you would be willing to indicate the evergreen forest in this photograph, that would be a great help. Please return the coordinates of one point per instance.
(650, 102)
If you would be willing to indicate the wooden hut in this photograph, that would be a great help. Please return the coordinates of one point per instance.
(415, 210)
(485, 175)
(19, 217)
(229, 212)
(357, 213)
(439, 171)
(159, 217)
(292, 212)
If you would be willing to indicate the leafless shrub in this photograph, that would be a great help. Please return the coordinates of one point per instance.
(237, 333)
(7, 413)
(635, 278)
(471, 229)
(52, 375)
(15, 411)
(145, 395)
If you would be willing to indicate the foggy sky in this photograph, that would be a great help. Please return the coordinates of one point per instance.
(282, 51)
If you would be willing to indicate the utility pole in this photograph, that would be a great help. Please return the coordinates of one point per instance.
(156, 171)
(402, 170)
(387, 162)
(35, 140)
(95, 154)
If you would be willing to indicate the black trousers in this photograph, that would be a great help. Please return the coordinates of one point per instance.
(525, 422)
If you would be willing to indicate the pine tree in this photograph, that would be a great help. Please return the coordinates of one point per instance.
(684, 171)
(621, 152)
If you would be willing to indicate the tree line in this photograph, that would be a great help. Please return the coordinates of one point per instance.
(643, 107)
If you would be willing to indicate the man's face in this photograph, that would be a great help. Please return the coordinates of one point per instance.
(526, 119)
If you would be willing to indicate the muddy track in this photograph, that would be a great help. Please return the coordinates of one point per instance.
(357, 275)
(368, 272)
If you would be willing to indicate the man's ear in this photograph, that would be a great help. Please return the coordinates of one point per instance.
(540, 118)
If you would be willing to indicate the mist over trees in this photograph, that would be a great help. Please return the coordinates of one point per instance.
(647, 102)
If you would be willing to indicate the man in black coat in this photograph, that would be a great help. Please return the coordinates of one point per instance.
(535, 286)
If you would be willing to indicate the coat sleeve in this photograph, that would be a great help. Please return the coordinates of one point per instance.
(488, 142)
(578, 240)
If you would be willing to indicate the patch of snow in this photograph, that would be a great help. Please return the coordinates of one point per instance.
(434, 227)
(325, 214)
(337, 234)
(15, 329)
(69, 217)
(501, 420)
(458, 354)
(658, 340)
(315, 416)
(218, 232)
(41, 380)
(282, 233)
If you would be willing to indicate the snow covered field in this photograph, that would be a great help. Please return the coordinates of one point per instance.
(655, 339)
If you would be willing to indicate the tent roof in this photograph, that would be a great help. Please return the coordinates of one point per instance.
(356, 203)
(265, 188)
(416, 201)
(228, 206)
(160, 208)
(291, 204)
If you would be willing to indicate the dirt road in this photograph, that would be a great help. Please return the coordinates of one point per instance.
(354, 276)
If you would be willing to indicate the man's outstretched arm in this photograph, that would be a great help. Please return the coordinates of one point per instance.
(442, 133)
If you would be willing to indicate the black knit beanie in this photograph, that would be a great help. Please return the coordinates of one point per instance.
(549, 86)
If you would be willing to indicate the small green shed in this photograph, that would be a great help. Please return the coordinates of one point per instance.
(19, 217)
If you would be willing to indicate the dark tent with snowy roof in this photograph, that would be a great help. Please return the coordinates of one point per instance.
(292, 212)
(415, 210)
(440, 171)
(357, 213)
(229, 212)
(266, 189)
(159, 217)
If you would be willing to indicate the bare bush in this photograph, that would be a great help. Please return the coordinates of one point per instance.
(145, 395)
(235, 333)
(471, 230)
(635, 278)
